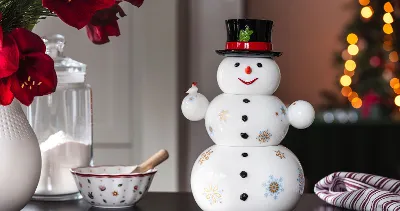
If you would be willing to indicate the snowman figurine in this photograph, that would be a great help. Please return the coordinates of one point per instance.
(247, 169)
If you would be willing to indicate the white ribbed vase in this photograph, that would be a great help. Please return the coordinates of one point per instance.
(20, 158)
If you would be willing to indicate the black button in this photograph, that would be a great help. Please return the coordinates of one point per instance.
(245, 154)
(244, 135)
(243, 174)
(246, 100)
(244, 197)
(244, 118)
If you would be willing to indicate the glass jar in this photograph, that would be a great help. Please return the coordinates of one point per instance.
(62, 122)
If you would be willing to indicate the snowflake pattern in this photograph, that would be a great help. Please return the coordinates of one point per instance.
(211, 131)
(205, 156)
(191, 98)
(280, 154)
(283, 110)
(213, 194)
(273, 187)
(223, 115)
(301, 180)
(264, 136)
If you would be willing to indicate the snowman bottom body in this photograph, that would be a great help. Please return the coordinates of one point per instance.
(228, 178)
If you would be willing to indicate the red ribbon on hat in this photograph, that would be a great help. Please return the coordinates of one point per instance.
(252, 46)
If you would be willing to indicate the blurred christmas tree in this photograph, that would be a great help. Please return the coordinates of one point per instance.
(369, 61)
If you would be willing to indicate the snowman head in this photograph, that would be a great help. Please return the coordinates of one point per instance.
(248, 75)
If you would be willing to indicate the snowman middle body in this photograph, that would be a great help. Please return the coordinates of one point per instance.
(247, 167)
(246, 120)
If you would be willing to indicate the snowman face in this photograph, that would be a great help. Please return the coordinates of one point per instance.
(246, 75)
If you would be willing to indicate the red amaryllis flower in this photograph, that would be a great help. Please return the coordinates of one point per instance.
(9, 56)
(104, 24)
(32, 70)
(6, 96)
(77, 13)
(1, 32)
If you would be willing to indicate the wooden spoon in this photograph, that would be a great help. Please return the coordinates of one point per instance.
(152, 162)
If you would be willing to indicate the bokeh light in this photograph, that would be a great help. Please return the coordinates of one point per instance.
(352, 96)
(346, 91)
(397, 100)
(352, 49)
(387, 75)
(361, 44)
(390, 66)
(388, 7)
(352, 38)
(367, 12)
(356, 102)
(388, 45)
(387, 37)
(350, 65)
(349, 73)
(387, 18)
(346, 55)
(345, 80)
(374, 61)
(363, 2)
(393, 56)
(393, 82)
(387, 28)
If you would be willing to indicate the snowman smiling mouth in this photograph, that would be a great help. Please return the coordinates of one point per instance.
(248, 82)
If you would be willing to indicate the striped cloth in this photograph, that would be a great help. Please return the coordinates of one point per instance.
(357, 191)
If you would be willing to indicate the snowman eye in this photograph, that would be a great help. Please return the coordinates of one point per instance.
(259, 65)
(237, 64)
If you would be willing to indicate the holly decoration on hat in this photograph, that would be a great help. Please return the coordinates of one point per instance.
(244, 35)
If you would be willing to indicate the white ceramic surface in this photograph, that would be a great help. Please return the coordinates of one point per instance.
(301, 114)
(112, 186)
(20, 160)
(246, 120)
(247, 169)
(194, 105)
(271, 177)
(245, 75)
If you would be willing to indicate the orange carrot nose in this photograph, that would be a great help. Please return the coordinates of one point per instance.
(248, 70)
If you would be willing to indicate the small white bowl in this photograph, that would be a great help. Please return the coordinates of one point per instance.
(112, 186)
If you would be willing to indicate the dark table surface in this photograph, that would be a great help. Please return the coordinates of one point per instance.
(167, 202)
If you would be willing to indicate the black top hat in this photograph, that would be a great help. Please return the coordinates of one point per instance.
(249, 37)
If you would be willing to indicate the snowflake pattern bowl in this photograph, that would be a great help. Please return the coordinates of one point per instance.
(112, 186)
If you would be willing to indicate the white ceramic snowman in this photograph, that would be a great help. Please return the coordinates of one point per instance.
(247, 169)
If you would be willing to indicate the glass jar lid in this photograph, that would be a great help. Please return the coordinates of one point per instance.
(67, 69)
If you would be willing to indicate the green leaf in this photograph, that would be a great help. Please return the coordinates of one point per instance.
(22, 14)
(244, 35)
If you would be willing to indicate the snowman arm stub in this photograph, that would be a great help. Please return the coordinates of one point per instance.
(194, 105)
(301, 114)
